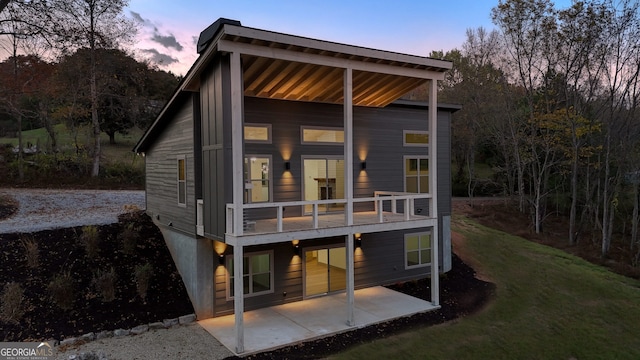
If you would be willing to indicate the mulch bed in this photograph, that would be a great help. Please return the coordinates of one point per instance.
(61, 251)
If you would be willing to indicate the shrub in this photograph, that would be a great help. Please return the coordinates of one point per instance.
(143, 275)
(105, 283)
(90, 240)
(129, 238)
(32, 253)
(12, 307)
(61, 290)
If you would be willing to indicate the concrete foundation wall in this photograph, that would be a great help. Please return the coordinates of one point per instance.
(194, 260)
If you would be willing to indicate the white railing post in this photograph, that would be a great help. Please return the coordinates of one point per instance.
(380, 210)
(394, 205)
(230, 227)
(279, 219)
(199, 217)
(407, 209)
(315, 215)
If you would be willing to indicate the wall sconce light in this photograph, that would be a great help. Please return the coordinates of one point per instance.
(296, 247)
(358, 240)
(221, 259)
(363, 165)
(287, 165)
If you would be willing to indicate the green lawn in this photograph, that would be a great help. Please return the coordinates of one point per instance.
(549, 305)
(120, 152)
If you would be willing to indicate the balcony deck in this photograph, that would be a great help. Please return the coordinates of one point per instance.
(326, 221)
(392, 211)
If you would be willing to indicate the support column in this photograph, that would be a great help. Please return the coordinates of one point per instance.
(236, 142)
(238, 297)
(238, 192)
(433, 148)
(435, 273)
(433, 190)
(350, 280)
(348, 145)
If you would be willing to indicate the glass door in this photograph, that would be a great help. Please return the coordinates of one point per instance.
(323, 179)
(325, 271)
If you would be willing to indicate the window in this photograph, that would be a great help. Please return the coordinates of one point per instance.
(257, 133)
(257, 274)
(417, 249)
(322, 135)
(182, 181)
(416, 174)
(258, 178)
(415, 138)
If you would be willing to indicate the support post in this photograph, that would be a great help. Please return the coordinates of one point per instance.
(238, 297)
(348, 145)
(433, 190)
(236, 143)
(350, 280)
(435, 273)
(433, 143)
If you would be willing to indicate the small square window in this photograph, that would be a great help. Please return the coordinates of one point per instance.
(417, 249)
(257, 273)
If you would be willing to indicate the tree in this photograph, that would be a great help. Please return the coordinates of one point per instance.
(93, 24)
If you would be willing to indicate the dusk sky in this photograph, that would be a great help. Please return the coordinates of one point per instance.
(169, 29)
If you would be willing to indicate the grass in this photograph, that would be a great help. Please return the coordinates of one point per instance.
(549, 305)
(122, 150)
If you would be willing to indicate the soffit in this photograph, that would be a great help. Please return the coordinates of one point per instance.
(289, 80)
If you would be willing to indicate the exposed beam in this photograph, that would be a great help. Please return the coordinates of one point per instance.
(249, 49)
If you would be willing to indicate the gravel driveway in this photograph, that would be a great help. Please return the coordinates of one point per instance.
(44, 209)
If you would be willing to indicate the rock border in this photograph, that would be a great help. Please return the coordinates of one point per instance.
(140, 329)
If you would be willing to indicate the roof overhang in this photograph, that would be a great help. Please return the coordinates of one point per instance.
(288, 67)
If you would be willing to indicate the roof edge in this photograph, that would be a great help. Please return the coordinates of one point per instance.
(210, 32)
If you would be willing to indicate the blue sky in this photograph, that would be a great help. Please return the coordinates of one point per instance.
(169, 29)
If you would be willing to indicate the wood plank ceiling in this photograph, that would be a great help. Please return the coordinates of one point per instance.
(287, 80)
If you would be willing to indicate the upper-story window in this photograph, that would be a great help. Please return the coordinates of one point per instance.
(322, 135)
(416, 174)
(258, 178)
(257, 133)
(182, 180)
(415, 138)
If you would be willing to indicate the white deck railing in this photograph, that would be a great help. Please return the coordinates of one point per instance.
(379, 199)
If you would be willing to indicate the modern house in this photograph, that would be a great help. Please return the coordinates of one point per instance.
(295, 158)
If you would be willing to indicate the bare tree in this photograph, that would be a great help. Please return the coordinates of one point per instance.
(92, 24)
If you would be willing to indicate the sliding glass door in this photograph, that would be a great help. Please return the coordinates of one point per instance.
(325, 270)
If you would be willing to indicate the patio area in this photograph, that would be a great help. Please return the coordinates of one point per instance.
(278, 326)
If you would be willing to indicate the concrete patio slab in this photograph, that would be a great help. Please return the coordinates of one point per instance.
(278, 326)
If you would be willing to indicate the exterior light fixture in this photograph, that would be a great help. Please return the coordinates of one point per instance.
(287, 165)
(358, 237)
(221, 259)
(296, 247)
(363, 165)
